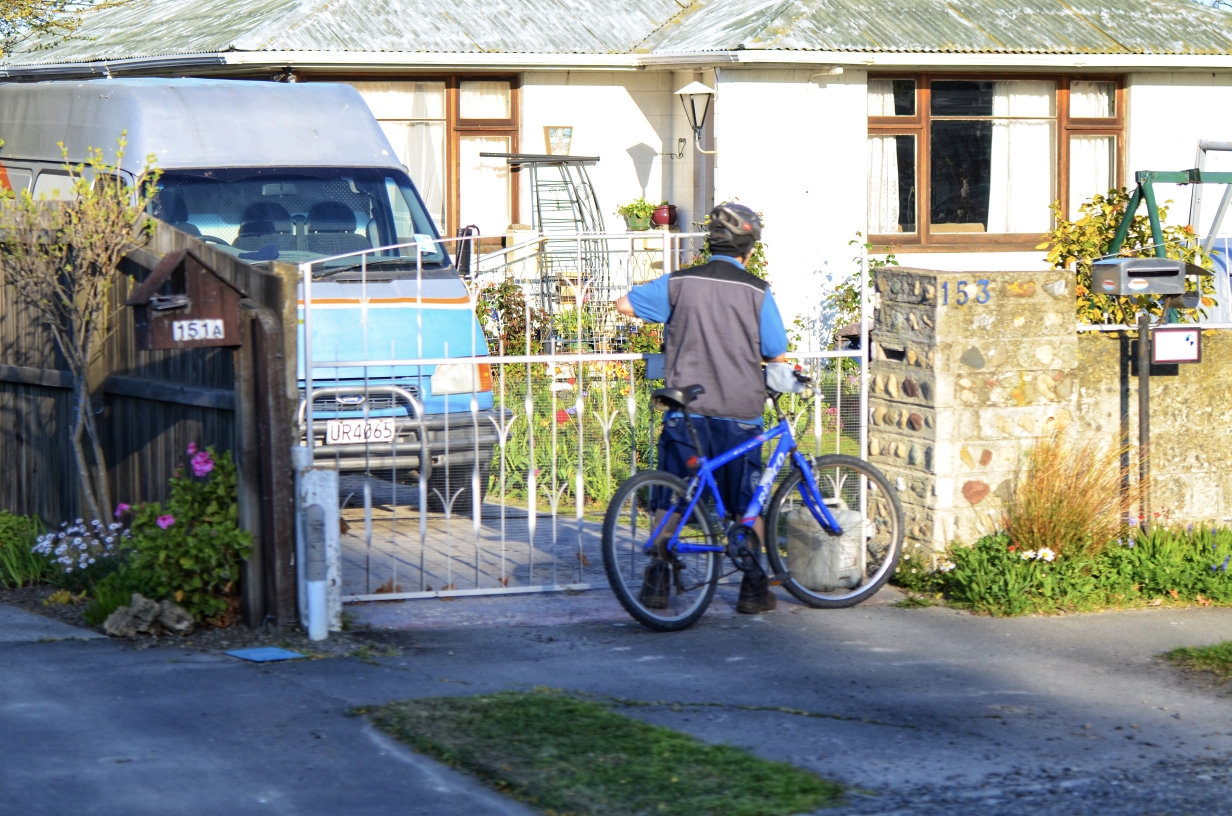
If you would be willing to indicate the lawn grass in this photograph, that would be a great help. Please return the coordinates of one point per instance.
(569, 756)
(1216, 659)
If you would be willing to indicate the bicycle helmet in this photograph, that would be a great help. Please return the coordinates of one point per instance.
(733, 228)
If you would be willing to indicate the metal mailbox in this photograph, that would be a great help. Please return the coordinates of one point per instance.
(1142, 276)
(183, 304)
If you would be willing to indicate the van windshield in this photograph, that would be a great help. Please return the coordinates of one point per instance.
(298, 214)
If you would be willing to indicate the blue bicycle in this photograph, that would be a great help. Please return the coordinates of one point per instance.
(834, 527)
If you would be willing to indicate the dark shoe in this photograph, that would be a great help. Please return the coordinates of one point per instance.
(755, 594)
(656, 586)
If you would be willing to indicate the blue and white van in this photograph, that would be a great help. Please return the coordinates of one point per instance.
(297, 172)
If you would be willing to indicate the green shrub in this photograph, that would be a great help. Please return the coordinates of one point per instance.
(19, 564)
(999, 578)
(190, 550)
(915, 573)
(109, 594)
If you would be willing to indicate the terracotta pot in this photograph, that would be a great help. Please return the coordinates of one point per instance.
(664, 215)
(637, 224)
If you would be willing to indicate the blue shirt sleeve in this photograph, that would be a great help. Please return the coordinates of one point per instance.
(773, 335)
(651, 301)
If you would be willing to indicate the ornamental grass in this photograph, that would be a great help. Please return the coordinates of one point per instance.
(1069, 498)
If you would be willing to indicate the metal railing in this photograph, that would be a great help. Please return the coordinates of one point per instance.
(501, 488)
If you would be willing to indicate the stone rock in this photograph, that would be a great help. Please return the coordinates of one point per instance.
(1044, 354)
(999, 357)
(986, 458)
(892, 386)
(915, 456)
(972, 358)
(874, 446)
(975, 492)
(879, 414)
(910, 388)
(137, 618)
(900, 450)
(916, 422)
(175, 618)
(1046, 387)
(914, 321)
(891, 417)
(1056, 288)
(1065, 388)
(927, 320)
(967, 459)
(912, 356)
(1003, 425)
(1021, 289)
(1027, 424)
(878, 383)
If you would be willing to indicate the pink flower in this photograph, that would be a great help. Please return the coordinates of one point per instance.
(202, 464)
(121, 509)
(165, 521)
(192, 448)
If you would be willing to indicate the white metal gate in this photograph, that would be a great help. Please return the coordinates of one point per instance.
(501, 487)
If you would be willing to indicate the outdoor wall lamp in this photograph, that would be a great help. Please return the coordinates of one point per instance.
(688, 98)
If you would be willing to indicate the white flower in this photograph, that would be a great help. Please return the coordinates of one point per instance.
(115, 525)
(1046, 554)
(1027, 555)
(947, 566)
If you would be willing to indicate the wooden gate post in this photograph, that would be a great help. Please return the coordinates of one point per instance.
(248, 460)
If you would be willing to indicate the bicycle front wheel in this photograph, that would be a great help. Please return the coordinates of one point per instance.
(826, 571)
(663, 590)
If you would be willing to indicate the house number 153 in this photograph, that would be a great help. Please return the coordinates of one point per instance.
(962, 295)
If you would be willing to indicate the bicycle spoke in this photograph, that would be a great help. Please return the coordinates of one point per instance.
(825, 570)
(662, 590)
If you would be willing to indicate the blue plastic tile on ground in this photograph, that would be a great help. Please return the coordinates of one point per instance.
(265, 654)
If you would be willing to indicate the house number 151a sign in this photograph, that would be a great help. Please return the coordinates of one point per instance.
(186, 331)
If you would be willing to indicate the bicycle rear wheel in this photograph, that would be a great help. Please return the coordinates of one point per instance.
(827, 571)
(627, 527)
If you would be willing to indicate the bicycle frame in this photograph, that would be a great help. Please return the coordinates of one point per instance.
(704, 479)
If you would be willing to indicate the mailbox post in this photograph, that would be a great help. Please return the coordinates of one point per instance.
(183, 304)
(1155, 277)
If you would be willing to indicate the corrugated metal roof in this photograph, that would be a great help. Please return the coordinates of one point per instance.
(145, 28)
(153, 28)
(930, 26)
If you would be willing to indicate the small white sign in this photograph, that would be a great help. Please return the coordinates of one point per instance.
(1176, 346)
(186, 331)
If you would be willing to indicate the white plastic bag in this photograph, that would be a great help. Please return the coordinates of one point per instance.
(822, 562)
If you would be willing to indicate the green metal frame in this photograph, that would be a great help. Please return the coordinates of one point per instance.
(1145, 191)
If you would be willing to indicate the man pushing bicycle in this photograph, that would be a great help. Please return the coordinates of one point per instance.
(721, 325)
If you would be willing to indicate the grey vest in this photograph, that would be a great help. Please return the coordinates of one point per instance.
(714, 339)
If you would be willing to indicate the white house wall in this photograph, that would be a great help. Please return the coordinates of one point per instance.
(1168, 113)
(792, 146)
(627, 119)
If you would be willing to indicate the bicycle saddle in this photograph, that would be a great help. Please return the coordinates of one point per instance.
(677, 398)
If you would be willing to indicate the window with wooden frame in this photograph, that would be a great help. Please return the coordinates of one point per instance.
(959, 162)
(438, 127)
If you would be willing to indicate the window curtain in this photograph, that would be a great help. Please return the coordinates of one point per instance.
(1092, 100)
(484, 182)
(412, 114)
(1023, 157)
(883, 212)
(1092, 160)
(484, 100)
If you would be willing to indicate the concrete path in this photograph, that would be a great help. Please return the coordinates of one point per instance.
(923, 711)
(20, 626)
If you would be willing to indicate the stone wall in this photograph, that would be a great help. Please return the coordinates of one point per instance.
(968, 369)
(1191, 420)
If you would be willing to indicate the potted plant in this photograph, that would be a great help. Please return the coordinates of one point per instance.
(664, 215)
(636, 214)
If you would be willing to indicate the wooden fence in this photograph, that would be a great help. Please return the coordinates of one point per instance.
(152, 404)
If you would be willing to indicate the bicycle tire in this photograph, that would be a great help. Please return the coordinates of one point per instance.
(881, 549)
(624, 561)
